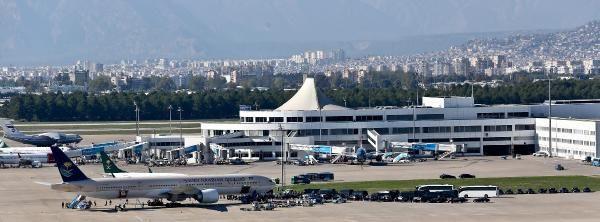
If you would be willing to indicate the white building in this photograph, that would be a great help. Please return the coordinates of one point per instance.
(310, 118)
(571, 138)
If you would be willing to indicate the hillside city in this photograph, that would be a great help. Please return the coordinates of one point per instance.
(570, 52)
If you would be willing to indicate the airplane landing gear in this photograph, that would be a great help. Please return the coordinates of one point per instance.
(154, 203)
(172, 205)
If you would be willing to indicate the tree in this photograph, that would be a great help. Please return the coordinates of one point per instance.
(100, 83)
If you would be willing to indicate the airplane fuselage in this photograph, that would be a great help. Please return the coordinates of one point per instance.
(166, 186)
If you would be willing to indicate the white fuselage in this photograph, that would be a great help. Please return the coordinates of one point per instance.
(165, 186)
(14, 158)
(141, 175)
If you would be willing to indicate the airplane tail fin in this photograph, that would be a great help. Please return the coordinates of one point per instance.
(9, 128)
(108, 165)
(67, 169)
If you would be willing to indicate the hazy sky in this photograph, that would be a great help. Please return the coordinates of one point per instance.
(46, 31)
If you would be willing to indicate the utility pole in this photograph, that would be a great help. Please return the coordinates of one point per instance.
(137, 119)
(550, 113)
(282, 157)
(170, 119)
(180, 127)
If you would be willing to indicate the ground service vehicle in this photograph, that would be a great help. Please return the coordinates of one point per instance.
(478, 191)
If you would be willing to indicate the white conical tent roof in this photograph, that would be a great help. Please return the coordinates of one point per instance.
(309, 98)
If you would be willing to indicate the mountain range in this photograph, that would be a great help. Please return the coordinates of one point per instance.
(61, 31)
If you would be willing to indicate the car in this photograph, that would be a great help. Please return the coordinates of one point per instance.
(563, 190)
(575, 190)
(520, 191)
(587, 190)
(481, 200)
(530, 191)
(541, 154)
(466, 176)
(359, 195)
(542, 190)
(345, 193)
(325, 176)
(559, 167)
(500, 192)
(300, 179)
(406, 196)
(447, 176)
(552, 190)
(458, 200)
(509, 192)
(237, 161)
(327, 194)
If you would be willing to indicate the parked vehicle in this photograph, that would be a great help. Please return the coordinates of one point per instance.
(541, 154)
(325, 176)
(345, 193)
(435, 188)
(559, 167)
(359, 195)
(587, 190)
(481, 200)
(300, 179)
(575, 190)
(563, 190)
(552, 190)
(478, 191)
(327, 194)
(466, 176)
(447, 176)
(530, 191)
(458, 200)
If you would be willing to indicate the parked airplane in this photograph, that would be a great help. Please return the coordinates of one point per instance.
(111, 169)
(204, 189)
(43, 139)
(33, 160)
(31, 150)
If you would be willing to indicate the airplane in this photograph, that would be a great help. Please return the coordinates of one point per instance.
(30, 150)
(43, 139)
(33, 160)
(204, 189)
(111, 169)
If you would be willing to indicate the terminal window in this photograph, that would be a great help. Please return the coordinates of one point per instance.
(369, 118)
(275, 119)
(490, 115)
(430, 116)
(261, 119)
(400, 117)
(294, 119)
(338, 118)
(313, 119)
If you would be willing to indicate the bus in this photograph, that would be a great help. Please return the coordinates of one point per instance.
(435, 188)
(478, 191)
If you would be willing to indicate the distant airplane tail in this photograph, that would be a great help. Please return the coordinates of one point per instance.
(8, 128)
(67, 169)
(108, 165)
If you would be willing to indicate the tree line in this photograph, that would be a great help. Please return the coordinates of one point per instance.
(215, 104)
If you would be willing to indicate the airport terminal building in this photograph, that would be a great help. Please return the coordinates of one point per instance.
(310, 118)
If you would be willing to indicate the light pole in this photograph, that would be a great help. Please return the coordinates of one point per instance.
(170, 119)
(180, 127)
(137, 119)
(550, 112)
(282, 158)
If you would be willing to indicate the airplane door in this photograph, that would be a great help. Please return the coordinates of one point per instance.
(122, 193)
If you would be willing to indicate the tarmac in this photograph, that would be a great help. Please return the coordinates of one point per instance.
(23, 199)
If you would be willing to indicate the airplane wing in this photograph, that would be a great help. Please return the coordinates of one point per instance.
(43, 183)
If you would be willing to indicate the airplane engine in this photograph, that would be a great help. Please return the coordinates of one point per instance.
(207, 196)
